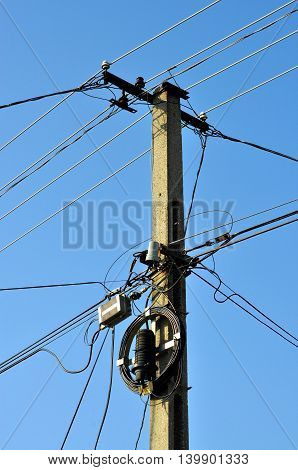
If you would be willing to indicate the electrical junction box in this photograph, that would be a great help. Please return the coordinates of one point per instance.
(114, 311)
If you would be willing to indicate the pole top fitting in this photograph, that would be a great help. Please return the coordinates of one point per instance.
(172, 89)
(105, 65)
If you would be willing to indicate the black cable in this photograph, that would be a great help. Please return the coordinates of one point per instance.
(39, 343)
(204, 143)
(245, 310)
(60, 150)
(263, 224)
(46, 286)
(109, 390)
(235, 221)
(48, 95)
(55, 334)
(84, 391)
(235, 294)
(14, 361)
(142, 423)
(230, 238)
(68, 371)
(251, 144)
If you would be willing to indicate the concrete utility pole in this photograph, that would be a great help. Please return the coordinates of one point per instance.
(168, 418)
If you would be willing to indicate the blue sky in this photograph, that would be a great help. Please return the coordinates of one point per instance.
(243, 377)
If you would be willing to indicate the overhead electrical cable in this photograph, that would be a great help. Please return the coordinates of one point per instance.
(220, 41)
(143, 44)
(238, 41)
(48, 95)
(67, 284)
(245, 310)
(64, 328)
(259, 85)
(75, 165)
(204, 143)
(48, 351)
(257, 146)
(46, 339)
(84, 391)
(73, 201)
(236, 294)
(14, 181)
(99, 72)
(142, 423)
(236, 220)
(109, 390)
(234, 242)
(224, 69)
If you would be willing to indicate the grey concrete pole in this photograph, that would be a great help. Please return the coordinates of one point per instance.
(168, 418)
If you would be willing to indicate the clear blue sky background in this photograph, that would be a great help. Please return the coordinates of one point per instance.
(243, 377)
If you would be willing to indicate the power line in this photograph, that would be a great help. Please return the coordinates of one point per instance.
(218, 72)
(164, 32)
(223, 103)
(62, 329)
(48, 338)
(142, 423)
(237, 220)
(245, 310)
(235, 294)
(68, 284)
(109, 390)
(74, 200)
(220, 41)
(48, 95)
(84, 391)
(234, 242)
(204, 143)
(13, 182)
(68, 170)
(99, 72)
(251, 144)
(238, 41)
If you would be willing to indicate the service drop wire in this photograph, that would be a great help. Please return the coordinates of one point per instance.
(84, 391)
(204, 144)
(243, 308)
(59, 331)
(109, 390)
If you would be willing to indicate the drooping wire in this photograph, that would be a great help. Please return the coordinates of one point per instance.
(245, 310)
(109, 391)
(68, 371)
(85, 316)
(84, 391)
(204, 143)
(235, 294)
(142, 423)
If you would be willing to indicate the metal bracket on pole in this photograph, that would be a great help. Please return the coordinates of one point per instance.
(137, 91)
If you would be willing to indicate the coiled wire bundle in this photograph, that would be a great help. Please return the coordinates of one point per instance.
(178, 334)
